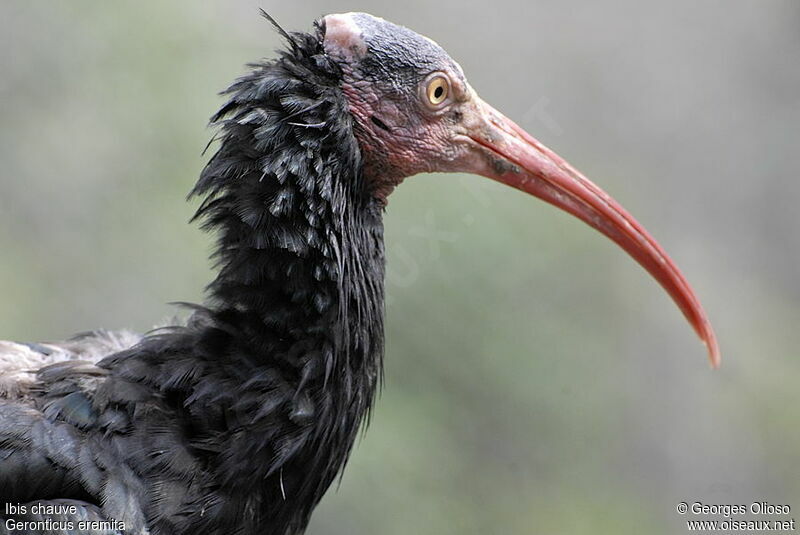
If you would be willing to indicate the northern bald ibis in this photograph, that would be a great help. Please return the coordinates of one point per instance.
(239, 420)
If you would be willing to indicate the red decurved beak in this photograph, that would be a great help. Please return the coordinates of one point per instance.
(512, 156)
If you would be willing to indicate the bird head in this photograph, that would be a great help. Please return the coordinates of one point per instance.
(414, 111)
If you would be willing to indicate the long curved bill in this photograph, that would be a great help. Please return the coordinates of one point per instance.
(528, 165)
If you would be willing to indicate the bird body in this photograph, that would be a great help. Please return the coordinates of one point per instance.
(238, 421)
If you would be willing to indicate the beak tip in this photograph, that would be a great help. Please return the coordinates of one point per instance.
(714, 355)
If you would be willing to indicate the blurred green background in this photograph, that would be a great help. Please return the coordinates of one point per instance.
(537, 380)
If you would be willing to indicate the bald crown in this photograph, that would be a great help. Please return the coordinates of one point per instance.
(383, 51)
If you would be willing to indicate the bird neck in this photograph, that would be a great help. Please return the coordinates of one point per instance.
(294, 327)
(299, 236)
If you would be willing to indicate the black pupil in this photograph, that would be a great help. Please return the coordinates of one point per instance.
(438, 92)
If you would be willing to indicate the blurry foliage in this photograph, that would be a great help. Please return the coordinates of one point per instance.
(537, 381)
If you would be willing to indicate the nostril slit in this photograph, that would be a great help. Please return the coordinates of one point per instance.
(379, 123)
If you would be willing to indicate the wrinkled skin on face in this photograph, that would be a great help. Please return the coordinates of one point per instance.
(386, 69)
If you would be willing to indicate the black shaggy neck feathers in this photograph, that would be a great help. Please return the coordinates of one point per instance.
(239, 422)
(296, 318)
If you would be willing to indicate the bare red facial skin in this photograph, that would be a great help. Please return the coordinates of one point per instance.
(464, 134)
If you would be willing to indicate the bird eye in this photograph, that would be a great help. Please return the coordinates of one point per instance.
(437, 89)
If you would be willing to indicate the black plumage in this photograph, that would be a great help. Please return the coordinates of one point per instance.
(239, 421)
